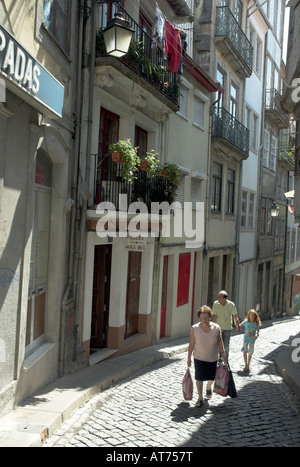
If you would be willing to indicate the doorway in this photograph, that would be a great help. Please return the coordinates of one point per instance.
(133, 293)
(101, 292)
(39, 261)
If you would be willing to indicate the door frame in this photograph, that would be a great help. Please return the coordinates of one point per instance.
(102, 318)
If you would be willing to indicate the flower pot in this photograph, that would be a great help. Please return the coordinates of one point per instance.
(144, 165)
(116, 157)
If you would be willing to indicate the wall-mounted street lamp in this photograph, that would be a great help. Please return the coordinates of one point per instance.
(274, 211)
(117, 34)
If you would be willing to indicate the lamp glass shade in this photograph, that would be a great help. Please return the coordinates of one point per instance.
(274, 210)
(117, 37)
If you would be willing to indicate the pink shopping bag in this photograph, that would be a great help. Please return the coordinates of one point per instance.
(187, 386)
(221, 380)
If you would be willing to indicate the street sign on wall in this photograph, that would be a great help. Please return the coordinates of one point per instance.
(26, 77)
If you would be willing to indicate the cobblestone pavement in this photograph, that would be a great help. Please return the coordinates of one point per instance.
(148, 409)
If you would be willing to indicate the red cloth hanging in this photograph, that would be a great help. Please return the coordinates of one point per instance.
(173, 46)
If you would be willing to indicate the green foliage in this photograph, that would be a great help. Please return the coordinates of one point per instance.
(129, 158)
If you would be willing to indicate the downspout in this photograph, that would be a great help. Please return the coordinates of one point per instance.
(87, 175)
(204, 248)
(73, 193)
(260, 152)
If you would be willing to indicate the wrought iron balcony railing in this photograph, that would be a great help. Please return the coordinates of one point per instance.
(274, 110)
(287, 147)
(109, 185)
(227, 27)
(149, 64)
(228, 128)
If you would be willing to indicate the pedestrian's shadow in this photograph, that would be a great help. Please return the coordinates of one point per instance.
(243, 373)
(186, 410)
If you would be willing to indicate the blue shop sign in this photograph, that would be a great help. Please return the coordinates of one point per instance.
(27, 77)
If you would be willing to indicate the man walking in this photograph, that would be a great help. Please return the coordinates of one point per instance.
(223, 310)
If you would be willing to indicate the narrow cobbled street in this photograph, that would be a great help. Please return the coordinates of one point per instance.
(148, 409)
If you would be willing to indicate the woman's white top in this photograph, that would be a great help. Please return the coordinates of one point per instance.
(206, 343)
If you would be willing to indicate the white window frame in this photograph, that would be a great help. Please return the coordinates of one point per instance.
(200, 101)
(247, 210)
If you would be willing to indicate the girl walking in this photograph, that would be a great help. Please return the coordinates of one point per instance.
(251, 325)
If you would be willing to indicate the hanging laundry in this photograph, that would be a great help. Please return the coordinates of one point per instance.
(158, 36)
(173, 46)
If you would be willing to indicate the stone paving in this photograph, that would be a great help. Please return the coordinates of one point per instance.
(148, 409)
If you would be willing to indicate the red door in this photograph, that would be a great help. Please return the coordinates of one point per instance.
(101, 290)
(133, 293)
(164, 298)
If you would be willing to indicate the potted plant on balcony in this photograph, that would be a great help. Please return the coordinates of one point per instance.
(128, 157)
(150, 163)
(171, 171)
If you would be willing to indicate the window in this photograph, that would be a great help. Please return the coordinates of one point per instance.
(145, 29)
(247, 210)
(287, 245)
(238, 11)
(256, 43)
(266, 221)
(273, 79)
(109, 133)
(244, 210)
(233, 100)
(198, 111)
(183, 278)
(141, 141)
(293, 245)
(250, 219)
(273, 154)
(263, 216)
(230, 191)
(216, 187)
(180, 190)
(183, 101)
(258, 56)
(55, 18)
(195, 191)
(221, 78)
(279, 234)
(266, 148)
(270, 150)
(252, 125)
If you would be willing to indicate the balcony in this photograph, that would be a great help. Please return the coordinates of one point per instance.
(182, 8)
(233, 43)
(109, 185)
(143, 65)
(274, 111)
(286, 150)
(229, 132)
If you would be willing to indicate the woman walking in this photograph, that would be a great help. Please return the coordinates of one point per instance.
(205, 342)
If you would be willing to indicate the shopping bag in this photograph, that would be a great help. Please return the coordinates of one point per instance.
(221, 380)
(231, 385)
(187, 386)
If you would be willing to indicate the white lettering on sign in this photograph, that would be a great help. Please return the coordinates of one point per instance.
(18, 65)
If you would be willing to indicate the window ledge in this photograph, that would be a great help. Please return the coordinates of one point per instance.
(38, 355)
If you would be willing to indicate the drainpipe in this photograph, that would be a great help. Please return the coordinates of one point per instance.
(204, 247)
(73, 193)
(87, 152)
(260, 152)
